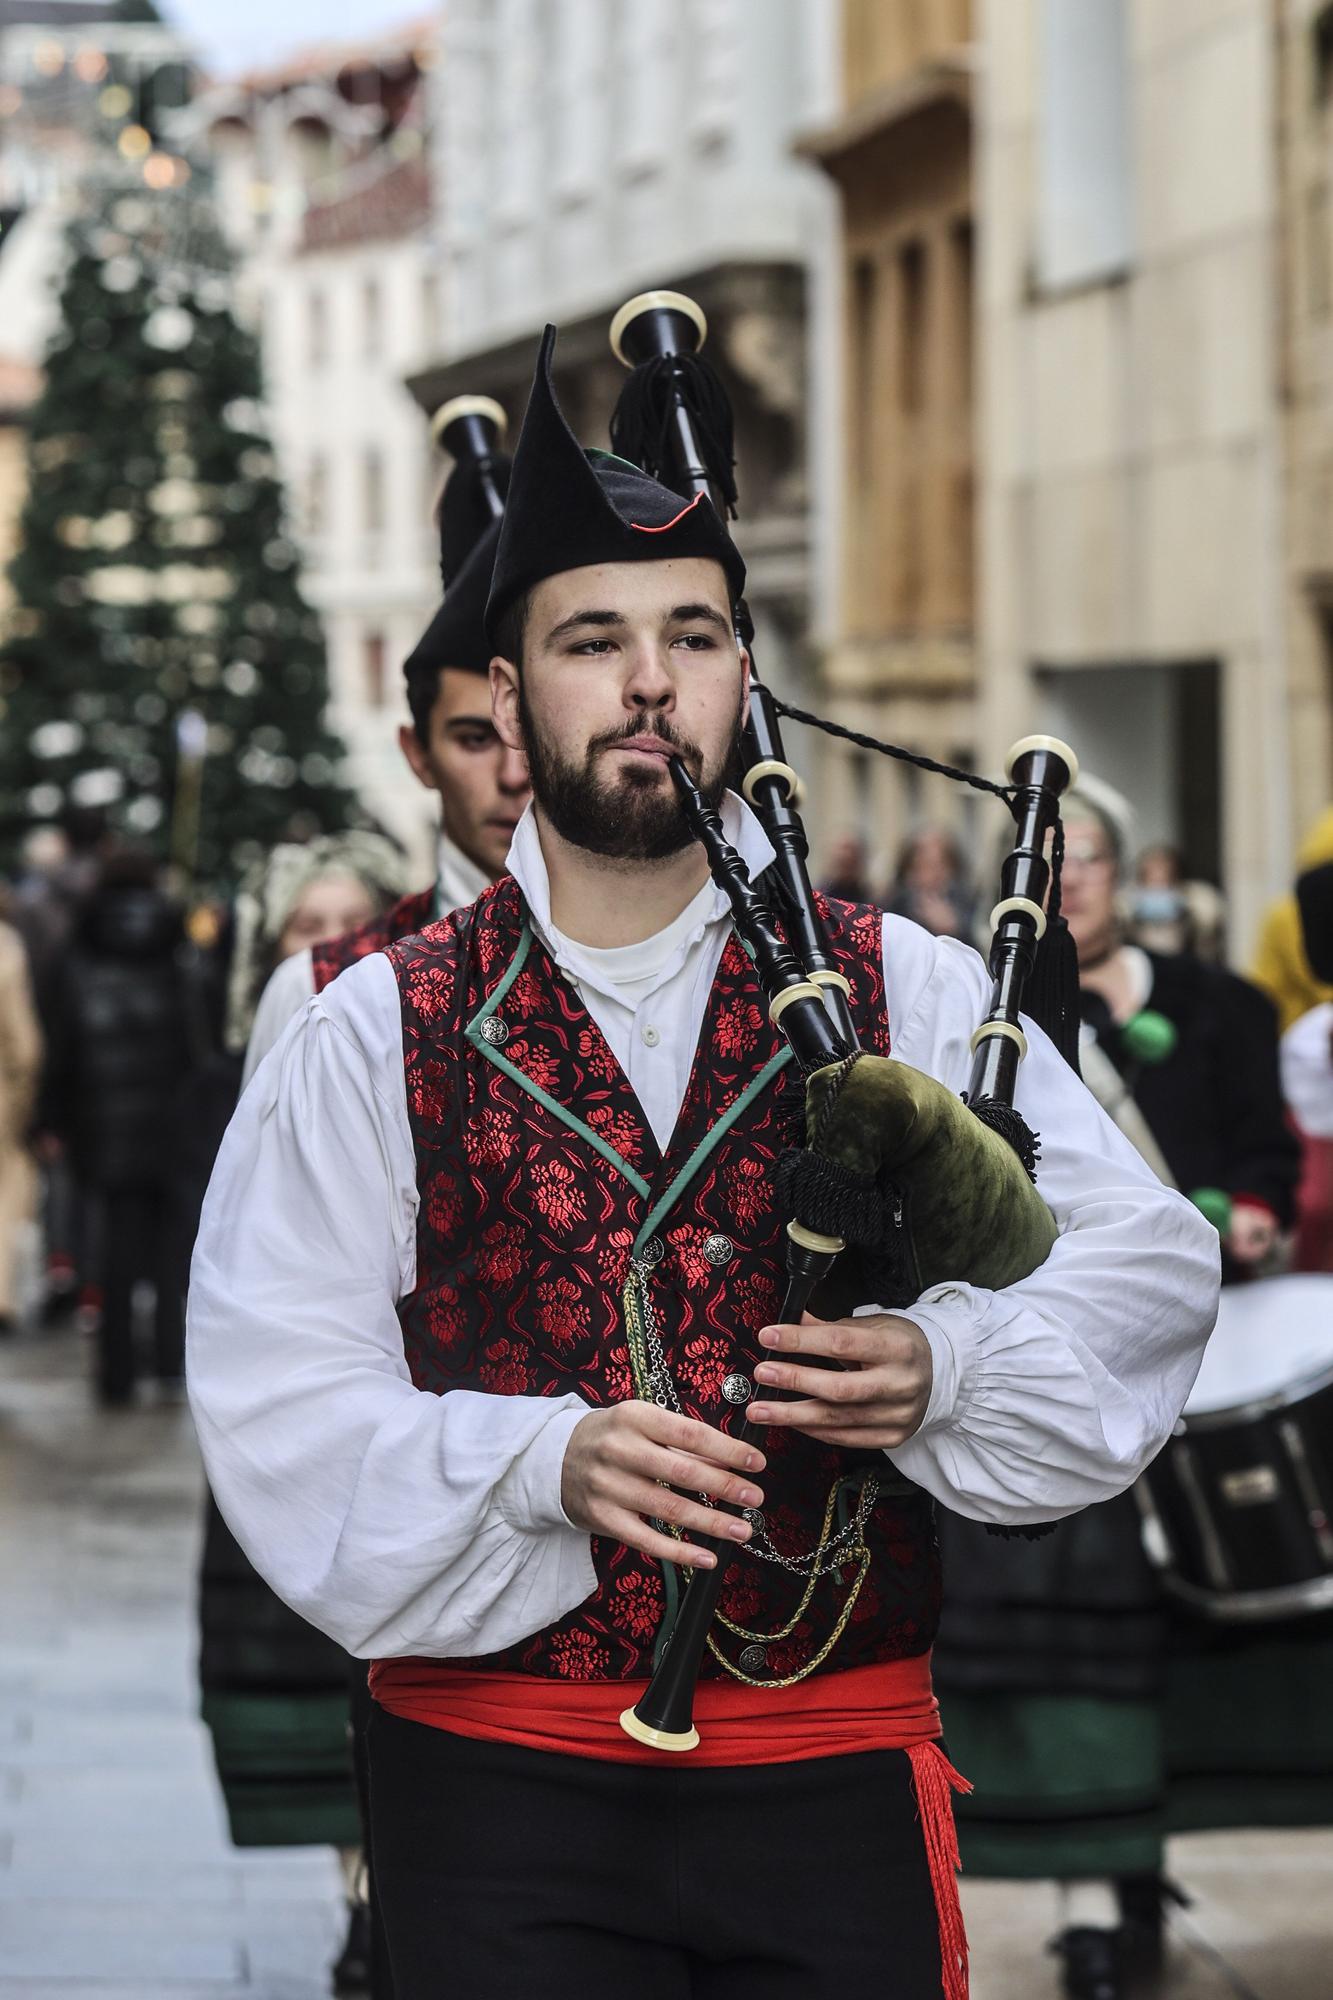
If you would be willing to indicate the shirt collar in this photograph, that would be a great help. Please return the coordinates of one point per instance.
(458, 880)
(527, 863)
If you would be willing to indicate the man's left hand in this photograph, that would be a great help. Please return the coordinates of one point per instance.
(875, 1398)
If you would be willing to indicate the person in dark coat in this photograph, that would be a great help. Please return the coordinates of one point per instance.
(930, 884)
(1052, 1659)
(120, 1046)
(1195, 1047)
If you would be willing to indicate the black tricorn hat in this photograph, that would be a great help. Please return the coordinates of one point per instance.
(456, 635)
(568, 509)
(469, 533)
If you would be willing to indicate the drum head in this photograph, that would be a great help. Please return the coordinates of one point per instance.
(1273, 1340)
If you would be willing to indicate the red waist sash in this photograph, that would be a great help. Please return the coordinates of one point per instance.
(887, 1706)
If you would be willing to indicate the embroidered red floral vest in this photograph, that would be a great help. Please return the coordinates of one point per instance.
(408, 916)
(539, 1176)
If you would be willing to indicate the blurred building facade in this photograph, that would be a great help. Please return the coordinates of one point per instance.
(898, 642)
(1086, 474)
(325, 184)
(1304, 127)
(1132, 592)
(591, 150)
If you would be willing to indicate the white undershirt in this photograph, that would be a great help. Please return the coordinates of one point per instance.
(635, 992)
(404, 1522)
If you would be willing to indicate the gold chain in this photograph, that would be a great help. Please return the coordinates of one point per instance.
(785, 1631)
(802, 1673)
(650, 1389)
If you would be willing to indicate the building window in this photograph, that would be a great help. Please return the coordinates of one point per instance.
(317, 329)
(912, 328)
(372, 655)
(317, 496)
(961, 253)
(372, 320)
(1321, 35)
(430, 310)
(1320, 292)
(372, 491)
(1084, 197)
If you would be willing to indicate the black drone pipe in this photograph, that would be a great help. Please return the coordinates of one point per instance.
(669, 328)
(1040, 768)
(471, 429)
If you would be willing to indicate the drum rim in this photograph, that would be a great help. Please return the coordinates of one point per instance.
(1259, 1406)
(1256, 1607)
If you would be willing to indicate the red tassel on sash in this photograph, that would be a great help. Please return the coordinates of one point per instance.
(936, 1781)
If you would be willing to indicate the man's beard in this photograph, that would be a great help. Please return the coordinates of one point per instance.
(631, 816)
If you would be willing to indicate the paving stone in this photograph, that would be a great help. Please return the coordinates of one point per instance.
(39, 1850)
(145, 1956)
(106, 1799)
(152, 1989)
(112, 1877)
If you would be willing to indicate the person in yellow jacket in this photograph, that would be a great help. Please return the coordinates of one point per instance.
(1280, 964)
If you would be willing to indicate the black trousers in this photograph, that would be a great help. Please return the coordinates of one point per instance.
(358, 1725)
(513, 1874)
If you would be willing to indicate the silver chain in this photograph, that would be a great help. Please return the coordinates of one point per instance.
(661, 1386)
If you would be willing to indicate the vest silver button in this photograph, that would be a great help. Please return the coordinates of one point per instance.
(653, 1251)
(737, 1389)
(755, 1516)
(493, 1030)
(719, 1250)
(753, 1660)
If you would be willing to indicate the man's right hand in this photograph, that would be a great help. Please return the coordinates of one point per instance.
(621, 1464)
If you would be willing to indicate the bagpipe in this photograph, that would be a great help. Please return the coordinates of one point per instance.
(471, 429)
(901, 1185)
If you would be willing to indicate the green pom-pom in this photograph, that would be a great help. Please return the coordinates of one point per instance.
(1149, 1037)
(1215, 1204)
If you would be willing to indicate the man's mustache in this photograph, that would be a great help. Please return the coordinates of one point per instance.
(665, 731)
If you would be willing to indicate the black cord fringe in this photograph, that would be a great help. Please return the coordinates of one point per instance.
(643, 423)
(1013, 1128)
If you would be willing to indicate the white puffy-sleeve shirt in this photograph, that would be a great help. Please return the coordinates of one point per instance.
(404, 1522)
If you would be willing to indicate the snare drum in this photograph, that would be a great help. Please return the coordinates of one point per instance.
(1238, 1507)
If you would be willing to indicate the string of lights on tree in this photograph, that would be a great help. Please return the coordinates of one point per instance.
(159, 650)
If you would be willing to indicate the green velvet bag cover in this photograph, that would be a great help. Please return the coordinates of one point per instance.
(970, 1212)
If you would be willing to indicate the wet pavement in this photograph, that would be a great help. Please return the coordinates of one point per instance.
(117, 1880)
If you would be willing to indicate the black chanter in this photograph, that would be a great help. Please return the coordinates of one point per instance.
(472, 429)
(874, 1159)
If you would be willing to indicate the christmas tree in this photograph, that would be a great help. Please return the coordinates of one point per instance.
(161, 661)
